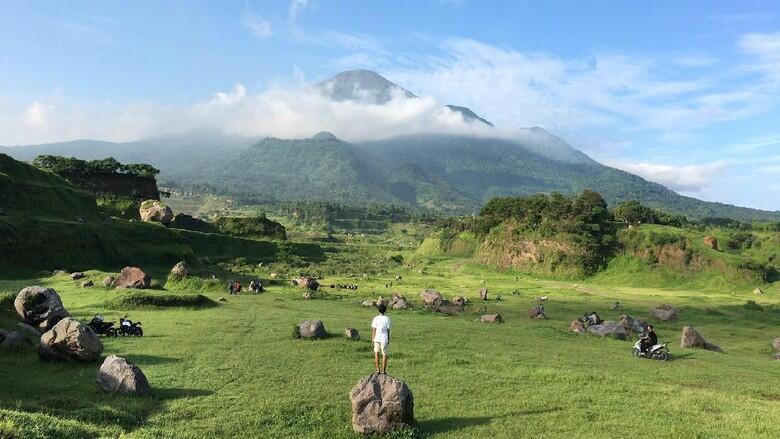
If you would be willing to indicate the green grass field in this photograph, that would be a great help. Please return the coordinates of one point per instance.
(235, 371)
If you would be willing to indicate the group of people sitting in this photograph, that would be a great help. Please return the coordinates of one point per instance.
(255, 286)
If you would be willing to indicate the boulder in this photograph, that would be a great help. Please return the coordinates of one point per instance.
(537, 312)
(776, 344)
(609, 329)
(691, 338)
(401, 304)
(711, 242)
(180, 270)
(431, 298)
(310, 329)
(133, 277)
(121, 376)
(381, 404)
(108, 281)
(483, 293)
(666, 313)
(40, 307)
(29, 331)
(369, 303)
(758, 291)
(306, 282)
(155, 211)
(491, 318)
(87, 284)
(352, 334)
(70, 340)
(77, 275)
(576, 326)
(12, 340)
(449, 308)
(631, 324)
(459, 301)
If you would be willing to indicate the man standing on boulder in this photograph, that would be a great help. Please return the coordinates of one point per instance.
(380, 336)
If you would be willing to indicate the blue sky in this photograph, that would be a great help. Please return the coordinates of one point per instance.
(684, 93)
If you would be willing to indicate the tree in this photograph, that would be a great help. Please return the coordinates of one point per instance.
(633, 212)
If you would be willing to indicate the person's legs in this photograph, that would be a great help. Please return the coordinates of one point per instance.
(384, 364)
(376, 357)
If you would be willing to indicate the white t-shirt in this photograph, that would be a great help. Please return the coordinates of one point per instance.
(382, 326)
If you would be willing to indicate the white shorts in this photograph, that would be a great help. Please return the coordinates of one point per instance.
(381, 347)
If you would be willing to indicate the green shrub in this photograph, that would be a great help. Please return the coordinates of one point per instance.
(152, 300)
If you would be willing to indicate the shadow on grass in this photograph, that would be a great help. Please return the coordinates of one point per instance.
(445, 425)
(147, 360)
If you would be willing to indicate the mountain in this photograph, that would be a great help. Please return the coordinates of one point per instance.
(451, 173)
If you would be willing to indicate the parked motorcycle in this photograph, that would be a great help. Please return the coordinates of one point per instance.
(128, 328)
(657, 352)
(102, 327)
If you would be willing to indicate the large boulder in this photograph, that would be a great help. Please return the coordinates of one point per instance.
(12, 340)
(155, 211)
(119, 375)
(310, 329)
(491, 318)
(577, 327)
(609, 329)
(691, 338)
(380, 404)
(632, 324)
(180, 270)
(306, 282)
(40, 307)
(666, 313)
(133, 277)
(483, 293)
(711, 242)
(431, 298)
(70, 340)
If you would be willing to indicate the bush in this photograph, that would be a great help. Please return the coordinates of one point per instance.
(143, 300)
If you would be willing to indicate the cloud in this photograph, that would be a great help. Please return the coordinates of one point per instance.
(755, 143)
(687, 178)
(742, 18)
(296, 7)
(260, 28)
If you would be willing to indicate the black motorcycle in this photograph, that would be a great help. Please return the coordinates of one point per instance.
(102, 327)
(128, 328)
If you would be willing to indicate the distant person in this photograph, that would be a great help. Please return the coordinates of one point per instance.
(380, 336)
(232, 287)
(649, 339)
(238, 287)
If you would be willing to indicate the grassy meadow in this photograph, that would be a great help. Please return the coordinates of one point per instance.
(233, 370)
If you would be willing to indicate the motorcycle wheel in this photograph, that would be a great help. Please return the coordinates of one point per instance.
(635, 353)
(663, 356)
(111, 333)
(139, 332)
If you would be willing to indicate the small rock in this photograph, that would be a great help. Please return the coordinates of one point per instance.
(108, 281)
(491, 318)
(180, 270)
(119, 375)
(537, 312)
(577, 327)
(369, 303)
(352, 334)
(691, 338)
(77, 275)
(666, 313)
(87, 284)
(459, 301)
(615, 306)
(758, 291)
(483, 293)
(310, 329)
(381, 404)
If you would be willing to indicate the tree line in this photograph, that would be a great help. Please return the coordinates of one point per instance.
(73, 166)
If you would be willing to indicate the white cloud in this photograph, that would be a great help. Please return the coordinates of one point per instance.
(687, 178)
(296, 7)
(260, 27)
(755, 143)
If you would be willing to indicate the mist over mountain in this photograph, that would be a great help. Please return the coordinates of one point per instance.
(453, 172)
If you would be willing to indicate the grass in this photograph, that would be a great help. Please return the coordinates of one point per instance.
(234, 370)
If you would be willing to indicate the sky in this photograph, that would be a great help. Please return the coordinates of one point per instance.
(685, 93)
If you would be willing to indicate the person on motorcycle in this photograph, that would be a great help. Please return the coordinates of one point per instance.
(649, 339)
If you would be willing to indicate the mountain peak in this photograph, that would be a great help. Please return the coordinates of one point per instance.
(324, 135)
(361, 85)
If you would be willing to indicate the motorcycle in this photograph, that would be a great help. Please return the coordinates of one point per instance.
(659, 351)
(102, 327)
(128, 328)
(590, 318)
